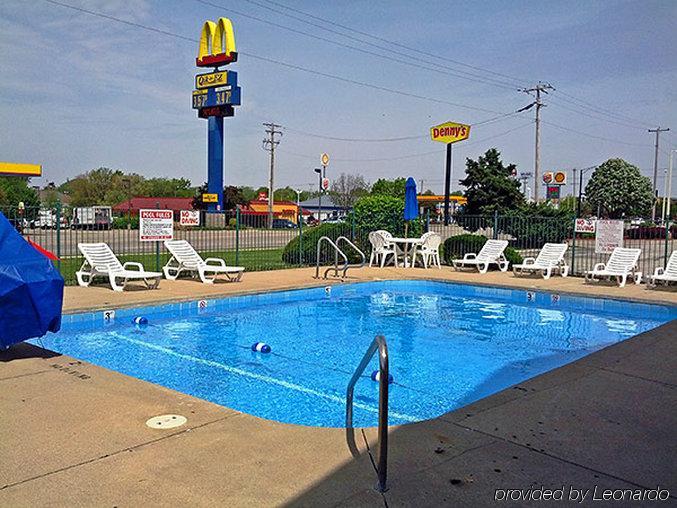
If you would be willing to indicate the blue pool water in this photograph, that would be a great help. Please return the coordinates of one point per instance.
(449, 345)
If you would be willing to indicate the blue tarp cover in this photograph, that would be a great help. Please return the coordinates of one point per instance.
(31, 289)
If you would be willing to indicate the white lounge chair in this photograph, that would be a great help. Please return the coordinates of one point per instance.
(381, 248)
(100, 261)
(667, 274)
(186, 259)
(490, 254)
(550, 259)
(621, 264)
(429, 249)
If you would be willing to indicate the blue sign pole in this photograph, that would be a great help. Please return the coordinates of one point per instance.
(215, 161)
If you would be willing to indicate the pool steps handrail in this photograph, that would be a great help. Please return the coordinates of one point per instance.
(337, 252)
(379, 343)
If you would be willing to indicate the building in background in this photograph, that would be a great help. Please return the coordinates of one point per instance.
(255, 213)
(132, 206)
(330, 210)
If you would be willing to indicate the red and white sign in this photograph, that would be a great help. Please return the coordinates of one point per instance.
(585, 226)
(156, 225)
(189, 218)
(609, 236)
(325, 184)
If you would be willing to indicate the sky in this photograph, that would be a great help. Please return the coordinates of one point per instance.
(79, 91)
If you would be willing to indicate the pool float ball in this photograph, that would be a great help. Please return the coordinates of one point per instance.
(140, 321)
(376, 376)
(260, 347)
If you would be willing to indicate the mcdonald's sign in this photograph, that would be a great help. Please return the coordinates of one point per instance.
(217, 44)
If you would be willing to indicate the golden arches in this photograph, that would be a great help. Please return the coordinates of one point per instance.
(217, 39)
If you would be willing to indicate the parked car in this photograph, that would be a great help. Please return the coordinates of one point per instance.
(283, 224)
(334, 220)
(46, 219)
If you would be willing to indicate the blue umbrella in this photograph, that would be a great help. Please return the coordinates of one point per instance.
(410, 200)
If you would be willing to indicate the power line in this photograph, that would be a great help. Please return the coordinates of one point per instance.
(588, 135)
(415, 155)
(601, 110)
(412, 62)
(278, 62)
(381, 39)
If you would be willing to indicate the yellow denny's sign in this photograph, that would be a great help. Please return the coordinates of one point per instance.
(450, 132)
(217, 44)
(17, 169)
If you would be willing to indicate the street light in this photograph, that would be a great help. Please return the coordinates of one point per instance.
(319, 208)
(580, 189)
(668, 192)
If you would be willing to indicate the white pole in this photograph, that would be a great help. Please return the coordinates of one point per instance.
(669, 194)
(665, 193)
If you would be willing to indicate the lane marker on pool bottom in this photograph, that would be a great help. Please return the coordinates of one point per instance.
(267, 379)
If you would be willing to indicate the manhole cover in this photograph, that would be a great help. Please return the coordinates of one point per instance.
(166, 421)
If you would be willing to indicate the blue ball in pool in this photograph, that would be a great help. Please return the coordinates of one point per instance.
(140, 321)
(261, 347)
(376, 376)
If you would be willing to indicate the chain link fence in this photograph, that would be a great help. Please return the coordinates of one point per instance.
(244, 239)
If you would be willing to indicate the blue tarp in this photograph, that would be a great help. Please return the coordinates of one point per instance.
(31, 289)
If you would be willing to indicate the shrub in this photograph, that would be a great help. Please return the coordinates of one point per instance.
(455, 247)
(124, 221)
(384, 212)
(311, 236)
(533, 225)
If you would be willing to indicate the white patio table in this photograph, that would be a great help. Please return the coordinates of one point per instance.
(407, 244)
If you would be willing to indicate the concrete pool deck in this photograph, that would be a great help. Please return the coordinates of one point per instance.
(75, 433)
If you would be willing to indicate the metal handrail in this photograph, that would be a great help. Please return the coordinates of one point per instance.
(356, 248)
(379, 343)
(337, 251)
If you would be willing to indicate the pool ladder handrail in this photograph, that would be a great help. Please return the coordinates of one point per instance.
(379, 343)
(337, 252)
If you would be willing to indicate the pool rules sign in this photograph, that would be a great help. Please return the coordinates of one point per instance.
(156, 225)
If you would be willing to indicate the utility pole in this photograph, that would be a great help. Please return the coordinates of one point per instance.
(657, 130)
(269, 144)
(538, 89)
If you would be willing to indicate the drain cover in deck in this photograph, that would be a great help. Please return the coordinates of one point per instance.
(166, 421)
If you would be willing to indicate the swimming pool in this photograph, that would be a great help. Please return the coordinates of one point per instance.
(449, 344)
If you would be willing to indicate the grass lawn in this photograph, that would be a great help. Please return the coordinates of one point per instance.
(252, 260)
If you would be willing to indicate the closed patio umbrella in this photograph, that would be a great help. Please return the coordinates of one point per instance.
(410, 208)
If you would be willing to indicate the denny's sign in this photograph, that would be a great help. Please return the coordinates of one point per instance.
(450, 132)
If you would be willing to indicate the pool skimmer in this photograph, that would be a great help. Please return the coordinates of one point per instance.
(166, 421)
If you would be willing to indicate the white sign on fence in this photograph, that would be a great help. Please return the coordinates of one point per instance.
(156, 225)
(609, 236)
(585, 226)
(189, 218)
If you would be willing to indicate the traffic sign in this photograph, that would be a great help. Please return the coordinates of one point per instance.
(450, 132)
(324, 159)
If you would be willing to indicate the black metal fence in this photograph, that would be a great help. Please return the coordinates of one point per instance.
(246, 240)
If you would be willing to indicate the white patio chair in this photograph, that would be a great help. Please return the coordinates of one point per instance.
(100, 261)
(186, 259)
(667, 274)
(621, 264)
(550, 259)
(429, 249)
(381, 248)
(490, 254)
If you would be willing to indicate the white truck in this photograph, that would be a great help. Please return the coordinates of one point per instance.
(46, 219)
(92, 217)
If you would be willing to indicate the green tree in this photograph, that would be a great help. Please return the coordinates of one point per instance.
(15, 190)
(167, 188)
(490, 186)
(384, 212)
(248, 193)
(393, 188)
(618, 189)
